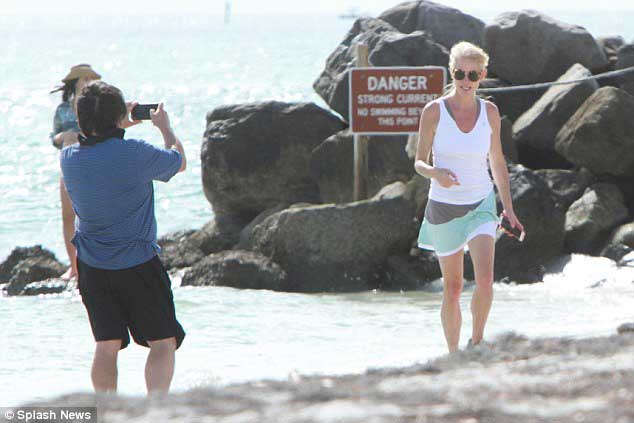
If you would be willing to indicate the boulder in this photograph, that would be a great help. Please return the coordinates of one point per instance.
(244, 241)
(528, 47)
(600, 135)
(185, 248)
(446, 25)
(567, 185)
(178, 250)
(237, 269)
(255, 156)
(17, 255)
(49, 286)
(32, 269)
(620, 243)
(543, 221)
(410, 272)
(536, 129)
(509, 146)
(590, 219)
(387, 47)
(332, 165)
(625, 59)
(338, 247)
(511, 104)
(610, 46)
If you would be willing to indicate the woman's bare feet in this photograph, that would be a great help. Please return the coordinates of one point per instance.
(69, 275)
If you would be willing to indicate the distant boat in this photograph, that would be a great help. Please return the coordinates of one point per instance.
(352, 13)
(227, 11)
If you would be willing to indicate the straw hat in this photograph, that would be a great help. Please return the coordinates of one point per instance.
(79, 71)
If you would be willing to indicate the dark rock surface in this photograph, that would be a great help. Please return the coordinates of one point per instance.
(511, 104)
(625, 59)
(590, 219)
(28, 264)
(528, 47)
(255, 156)
(536, 207)
(238, 269)
(337, 247)
(446, 25)
(535, 130)
(567, 185)
(513, 379)
(600, 135)
(332, 165)
(387, 47)
(185, 248)
(49, 286)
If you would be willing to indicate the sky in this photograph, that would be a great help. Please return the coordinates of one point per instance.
(288, 6)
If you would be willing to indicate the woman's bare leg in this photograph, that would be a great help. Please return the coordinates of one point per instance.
(452, 268)
(482, 249)
(68, 224)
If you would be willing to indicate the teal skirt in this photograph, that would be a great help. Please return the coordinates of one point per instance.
(452, 236)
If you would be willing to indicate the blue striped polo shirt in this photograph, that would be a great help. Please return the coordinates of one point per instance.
(111, 189)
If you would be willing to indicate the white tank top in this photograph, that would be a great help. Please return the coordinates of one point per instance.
(463, 153)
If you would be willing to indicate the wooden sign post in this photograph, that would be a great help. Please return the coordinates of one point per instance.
(360, 142)
(386, 100)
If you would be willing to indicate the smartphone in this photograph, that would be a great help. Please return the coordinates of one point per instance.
(516, 232)
(142, 111)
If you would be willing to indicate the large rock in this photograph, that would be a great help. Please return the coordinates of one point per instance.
(567, 185)
(28, 264)
(255, 156)
(338, 247)
(625, 59)
(49, 286)
(237, 269)
(511, 104)
(332, 165)
(387, 47)
(590, 219)
(600, 135)
(543, 221)
(185, 248)
(610, 46)
(528, 47)
(536, 129)
(32, 269)
(446, 25)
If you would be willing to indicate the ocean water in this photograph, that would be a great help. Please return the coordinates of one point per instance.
(194, 64)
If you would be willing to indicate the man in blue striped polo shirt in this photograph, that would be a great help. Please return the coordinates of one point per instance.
(123, 284)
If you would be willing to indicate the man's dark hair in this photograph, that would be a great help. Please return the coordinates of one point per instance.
(100, 107)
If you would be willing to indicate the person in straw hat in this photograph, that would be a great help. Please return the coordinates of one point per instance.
(65, 132)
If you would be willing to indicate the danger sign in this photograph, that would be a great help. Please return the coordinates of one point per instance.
(390, 100)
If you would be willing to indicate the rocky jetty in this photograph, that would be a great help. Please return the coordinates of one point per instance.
(280, 181)
(513, 379)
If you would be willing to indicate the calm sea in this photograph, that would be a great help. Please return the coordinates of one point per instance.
(194, 64)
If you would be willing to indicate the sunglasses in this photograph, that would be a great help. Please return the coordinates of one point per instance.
(459, 75)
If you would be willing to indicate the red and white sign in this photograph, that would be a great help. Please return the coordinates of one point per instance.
(390, 100)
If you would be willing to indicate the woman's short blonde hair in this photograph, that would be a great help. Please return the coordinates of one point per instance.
(467, 50)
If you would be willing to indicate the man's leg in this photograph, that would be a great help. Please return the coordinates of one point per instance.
(482, 249)
(104, 366)
(159, 368)
(452, 272)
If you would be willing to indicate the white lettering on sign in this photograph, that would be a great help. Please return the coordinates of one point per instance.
(397, 83)
(375, 99)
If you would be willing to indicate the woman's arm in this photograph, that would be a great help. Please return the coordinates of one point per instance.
(498, 166)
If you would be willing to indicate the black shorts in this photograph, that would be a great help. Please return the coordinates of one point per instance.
(138, 299)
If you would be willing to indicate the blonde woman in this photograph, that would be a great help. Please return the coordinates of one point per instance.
(462, 131)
